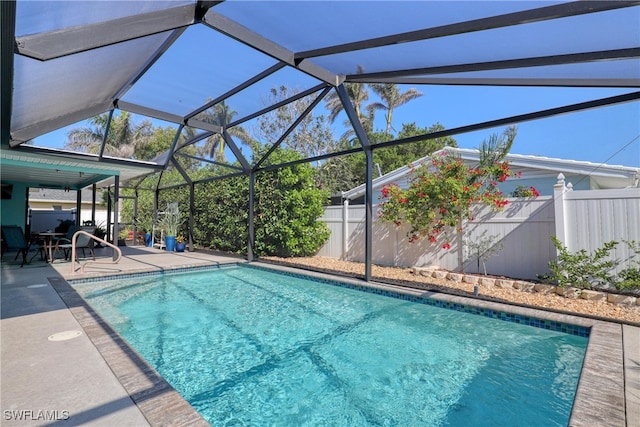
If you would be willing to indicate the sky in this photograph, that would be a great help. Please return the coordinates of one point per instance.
(601, 135)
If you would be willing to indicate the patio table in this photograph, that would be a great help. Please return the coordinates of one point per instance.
(48, 242)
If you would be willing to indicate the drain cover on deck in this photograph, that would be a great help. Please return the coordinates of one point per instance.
(63, 336)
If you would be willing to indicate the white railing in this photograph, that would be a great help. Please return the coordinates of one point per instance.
(97, 239)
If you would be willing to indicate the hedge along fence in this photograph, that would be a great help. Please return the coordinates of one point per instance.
(579, 219)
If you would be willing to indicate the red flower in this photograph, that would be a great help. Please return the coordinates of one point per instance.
(432, 239)
(446, 246)
(501, 203)
(385, 191)
(502, 178)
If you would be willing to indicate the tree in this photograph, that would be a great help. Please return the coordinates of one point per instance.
(392, 98)
(345, 172)
(145, 213)
(358, 94)
(311, 137)
(339, 173)
(442, 194)
(221, 114)
(392, 158)
(288, 205)
(158, 142)
(287, 208)
(221, 214)
(123, 139)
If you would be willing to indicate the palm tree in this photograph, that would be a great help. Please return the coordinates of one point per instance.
(88, 138)
(221, 114)
(391, 98)
(122, 139)
(358, 94)
(497, 147)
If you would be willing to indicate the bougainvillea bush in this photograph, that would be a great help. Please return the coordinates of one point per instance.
(441, 194)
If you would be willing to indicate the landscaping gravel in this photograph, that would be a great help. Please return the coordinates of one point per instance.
(627, 314)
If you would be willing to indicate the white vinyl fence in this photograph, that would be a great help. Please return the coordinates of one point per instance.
(588, 219)
(520, 234)
(46, 219)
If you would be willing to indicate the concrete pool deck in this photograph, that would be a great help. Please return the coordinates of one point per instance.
(95, 379)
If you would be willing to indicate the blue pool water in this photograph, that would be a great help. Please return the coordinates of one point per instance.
(247, 346)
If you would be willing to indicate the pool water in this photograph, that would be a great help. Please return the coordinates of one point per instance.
(247, 346)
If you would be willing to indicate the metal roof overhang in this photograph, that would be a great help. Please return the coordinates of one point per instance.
(47, 168)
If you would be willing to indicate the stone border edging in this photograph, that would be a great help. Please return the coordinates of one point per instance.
(522, 285)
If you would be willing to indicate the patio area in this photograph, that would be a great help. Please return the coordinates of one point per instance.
(63, 365)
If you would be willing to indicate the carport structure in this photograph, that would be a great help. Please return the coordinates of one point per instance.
(175, 62)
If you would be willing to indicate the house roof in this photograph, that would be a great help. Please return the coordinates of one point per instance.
(604, 175)
(64, 62)
(49, 195)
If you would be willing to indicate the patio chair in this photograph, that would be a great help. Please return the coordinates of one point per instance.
(82, 242)
(58, 242)
(13, 238)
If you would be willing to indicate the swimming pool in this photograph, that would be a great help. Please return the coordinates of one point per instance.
(247, 346)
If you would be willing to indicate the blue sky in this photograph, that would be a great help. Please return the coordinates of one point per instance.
(601, 135)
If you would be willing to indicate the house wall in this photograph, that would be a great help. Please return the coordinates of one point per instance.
(14, 211)
(45, 217)
(520, 234)
(544, 184)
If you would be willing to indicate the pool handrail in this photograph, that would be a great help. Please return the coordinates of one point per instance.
(97, 239)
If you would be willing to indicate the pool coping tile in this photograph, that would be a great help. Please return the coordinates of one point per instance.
(158, 401)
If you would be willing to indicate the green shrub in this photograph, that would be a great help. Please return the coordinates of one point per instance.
(287, 206)
(630, 276)
(581, 269)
